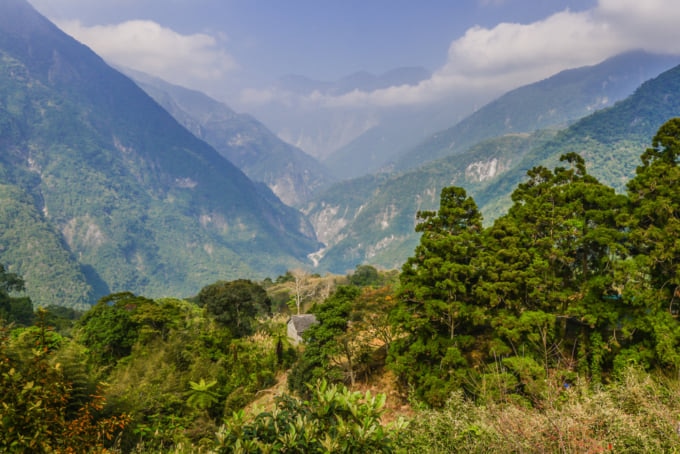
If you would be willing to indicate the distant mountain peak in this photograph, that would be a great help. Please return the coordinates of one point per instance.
(360, 80)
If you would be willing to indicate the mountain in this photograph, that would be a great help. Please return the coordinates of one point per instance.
(293, 175)
(304, 111)
(378, 227)
(404, 140)
(372, 219)
(359, 81)
(553, 102)
(103, 191)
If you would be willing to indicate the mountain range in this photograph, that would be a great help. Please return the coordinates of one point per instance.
(109, 184)
(376, 223)
(293, 175)
(104, 191)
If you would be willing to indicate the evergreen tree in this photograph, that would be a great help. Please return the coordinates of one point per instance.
(549, 267)
(653, 279)
(437, 307)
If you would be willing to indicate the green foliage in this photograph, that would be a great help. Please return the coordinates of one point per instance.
(327, 351)
(437, 307)
(235, 304)
(573, 278)
(365, 275)
(201, 396)
(175, 370)
(332, 420)
(36, 414)
(14, 309)
(109, 329)
(35, 250)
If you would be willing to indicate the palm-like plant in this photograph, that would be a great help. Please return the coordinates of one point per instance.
(201, 396)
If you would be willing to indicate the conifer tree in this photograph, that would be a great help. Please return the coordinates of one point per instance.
(437, 307)
(654, 279)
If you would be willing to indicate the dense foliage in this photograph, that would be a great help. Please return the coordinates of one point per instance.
(334, 419)
(574, 279)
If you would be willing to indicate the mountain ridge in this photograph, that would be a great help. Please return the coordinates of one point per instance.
(135, 200)
(289, 172)
(379, 227)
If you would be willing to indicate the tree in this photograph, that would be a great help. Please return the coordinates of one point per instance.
(201, 395)
(35, 407)
(109, 329)
(235, 304)
(303, 289)
(554, 255)
(654, 223)
(364, 275)
(14, 309)
(328, 353)
(437, 308)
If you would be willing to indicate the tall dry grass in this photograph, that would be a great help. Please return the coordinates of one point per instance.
(639, 413)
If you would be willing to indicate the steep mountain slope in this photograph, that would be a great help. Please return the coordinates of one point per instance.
(611, 140)
(379, 227)
(110, 180)
(376, 223)
(553, 102)
(293, 175)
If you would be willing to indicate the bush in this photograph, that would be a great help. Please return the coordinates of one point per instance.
(333, 420)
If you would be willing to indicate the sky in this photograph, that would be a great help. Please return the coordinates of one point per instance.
(235, 50)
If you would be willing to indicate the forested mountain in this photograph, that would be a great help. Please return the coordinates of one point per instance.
(551, 103)
(555, 329)
(293, 175)
(104, 191)
(378, 227)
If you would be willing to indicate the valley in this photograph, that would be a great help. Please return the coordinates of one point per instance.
(482, 272)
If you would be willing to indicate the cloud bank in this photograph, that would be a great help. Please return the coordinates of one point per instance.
(189, 60)
(483, 60)
(495, 60)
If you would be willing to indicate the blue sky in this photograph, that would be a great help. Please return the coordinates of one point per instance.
(235, 49)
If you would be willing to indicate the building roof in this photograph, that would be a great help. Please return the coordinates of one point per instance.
(302, 322)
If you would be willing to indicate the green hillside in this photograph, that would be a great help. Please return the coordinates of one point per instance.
(610, 140)
(290, 173)
(551, 103)
(130, 200)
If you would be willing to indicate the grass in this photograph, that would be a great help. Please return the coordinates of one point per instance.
(639, 413)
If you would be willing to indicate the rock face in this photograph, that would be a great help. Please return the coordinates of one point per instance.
(108, 192)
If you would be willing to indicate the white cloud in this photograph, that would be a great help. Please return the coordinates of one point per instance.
(494, 60)
(146, 46)
(486, 61)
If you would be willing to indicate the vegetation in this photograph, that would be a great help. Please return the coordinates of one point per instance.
(553, 329)
(101, 191)
(376, 222)
(332, 420)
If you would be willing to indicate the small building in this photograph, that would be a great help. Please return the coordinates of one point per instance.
(298, 324)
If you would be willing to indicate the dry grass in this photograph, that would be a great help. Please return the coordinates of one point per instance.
(639, 414)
